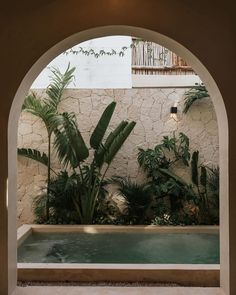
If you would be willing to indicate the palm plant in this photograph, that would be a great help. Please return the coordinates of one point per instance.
(46, 110)
(196, 93)
(62, 189)
(137, 196)
(72, 150)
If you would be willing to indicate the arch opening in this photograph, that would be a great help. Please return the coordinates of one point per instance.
(154, 37)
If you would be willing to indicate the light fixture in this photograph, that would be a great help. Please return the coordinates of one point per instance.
(173, 110)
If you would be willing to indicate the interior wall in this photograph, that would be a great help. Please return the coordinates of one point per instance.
(206, 30)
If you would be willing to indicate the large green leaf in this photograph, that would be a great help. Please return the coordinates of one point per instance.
(118, 142)
(100, 152)
(69, 143)
(100, 129)
(174, 176)
(203, 176)
(194, 167)
(115, 133)
(34, 155)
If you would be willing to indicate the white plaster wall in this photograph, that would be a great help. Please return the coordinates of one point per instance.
(144, 81)
(149, 107)
(103, 72)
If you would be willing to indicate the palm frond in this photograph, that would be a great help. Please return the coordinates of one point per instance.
(37, 107)
(137, 196)
(34, 155)
(193, 95)
(59, 81)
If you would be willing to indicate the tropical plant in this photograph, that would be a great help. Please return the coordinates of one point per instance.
(195, 93)
(213, 183)
(206, 182)
(72, 151)
(47, 110)
(139, 199)
(164, 155)
(159, 163)
(61, 190)
(201, 192)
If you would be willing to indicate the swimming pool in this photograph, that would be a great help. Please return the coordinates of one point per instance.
(185, 255)
(143, 248)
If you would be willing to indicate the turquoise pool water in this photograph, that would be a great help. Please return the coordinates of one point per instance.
(174, 248)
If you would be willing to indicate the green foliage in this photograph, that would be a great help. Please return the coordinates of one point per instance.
(61, 192)
(194, 167)
(206, 182)
(71, 149)
(100, 130)
(100, 153)
(175, 193)
(138, 197)
(59, 82)
(34, 155)
(87, 181)
(164, 155)
(196, 93)
(69, 143)
(117, 142)
(46, 110)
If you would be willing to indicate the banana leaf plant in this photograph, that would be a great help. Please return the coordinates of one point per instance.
(73, 152)
(47, 110)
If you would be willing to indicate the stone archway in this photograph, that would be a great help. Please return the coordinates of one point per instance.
(152, 36)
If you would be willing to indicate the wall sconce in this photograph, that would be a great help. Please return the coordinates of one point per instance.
(173, 110)
(173, 113)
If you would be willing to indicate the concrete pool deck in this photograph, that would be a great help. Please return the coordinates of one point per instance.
(202, 275)
(116, 291)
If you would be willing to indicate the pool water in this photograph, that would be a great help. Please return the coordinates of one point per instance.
(142, 248)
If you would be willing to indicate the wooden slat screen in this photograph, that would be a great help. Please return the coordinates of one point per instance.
(152, 59)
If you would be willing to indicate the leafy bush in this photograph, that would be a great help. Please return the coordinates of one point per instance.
(175, 194)
(87, 180)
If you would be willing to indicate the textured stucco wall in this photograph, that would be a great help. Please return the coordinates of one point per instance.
(149, 107)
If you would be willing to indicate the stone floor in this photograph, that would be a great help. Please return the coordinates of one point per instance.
(52, 290)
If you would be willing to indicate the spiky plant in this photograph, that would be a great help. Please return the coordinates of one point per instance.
(137, 196)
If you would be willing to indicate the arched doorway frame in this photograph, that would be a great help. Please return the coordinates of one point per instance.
(148, 35)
